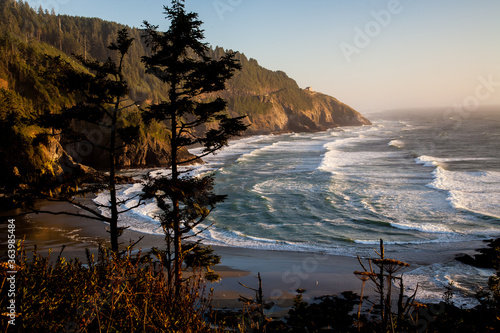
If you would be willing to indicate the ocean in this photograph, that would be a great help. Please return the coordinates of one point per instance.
(417, 180)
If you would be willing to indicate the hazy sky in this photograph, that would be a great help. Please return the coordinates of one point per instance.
(372, 55)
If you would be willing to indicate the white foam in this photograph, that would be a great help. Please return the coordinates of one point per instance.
(283, 146)
(234, 149)
(430, 161)
(400, 199)
(396, 143)
(433, 279)
(478, 192)
(423, 227)
(427, 161)
(217, 236)
(335, 160)
(427, 241)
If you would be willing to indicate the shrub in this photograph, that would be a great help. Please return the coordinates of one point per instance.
(111, 294)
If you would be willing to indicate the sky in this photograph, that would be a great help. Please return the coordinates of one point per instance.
(370, 54)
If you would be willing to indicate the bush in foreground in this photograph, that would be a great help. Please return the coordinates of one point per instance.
(107, 294)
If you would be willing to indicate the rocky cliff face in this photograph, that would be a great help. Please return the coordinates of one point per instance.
(325, 112)
(274, 102)
(148, 152)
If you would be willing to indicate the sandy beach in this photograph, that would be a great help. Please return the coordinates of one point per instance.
(282, 272)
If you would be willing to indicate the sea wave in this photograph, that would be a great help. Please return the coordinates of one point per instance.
(477, 192)
(432, 280)
(431, 161)
(409, 242)
(396, 143)
(230, 238)
(432, 228)
(337, 156)
(284, 188)
(286, 145)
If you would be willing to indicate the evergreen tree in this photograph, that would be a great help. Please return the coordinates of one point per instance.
(180, 60)
(102, 92)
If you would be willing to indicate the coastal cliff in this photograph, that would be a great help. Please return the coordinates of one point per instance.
(271, 101)
(325, 112)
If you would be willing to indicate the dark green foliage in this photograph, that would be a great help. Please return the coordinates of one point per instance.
(245, 105)
(182, 61)
(253, 87)
(198, 257)
(443, 317)
(255, 79)
(24, 96)
(195, 194)
(109, 293)
(327, 314)
(295, 99)
(15, 138)
(30, 34)
(27, 166)
(87, 36)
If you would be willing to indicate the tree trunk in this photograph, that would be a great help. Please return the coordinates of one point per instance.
(113, 224)
(175, 201)
(383, 312)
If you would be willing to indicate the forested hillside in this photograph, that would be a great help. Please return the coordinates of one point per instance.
(272, 100)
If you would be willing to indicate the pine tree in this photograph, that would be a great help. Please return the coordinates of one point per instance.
(102, 91)
(105, 93)
(179, 59)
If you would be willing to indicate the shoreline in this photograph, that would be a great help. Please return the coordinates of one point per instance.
(282, 272)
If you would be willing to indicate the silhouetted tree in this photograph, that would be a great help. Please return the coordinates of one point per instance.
(104, 104)
(179, 59)
(102, 93)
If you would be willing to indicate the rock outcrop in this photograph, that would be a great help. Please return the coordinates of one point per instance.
(325, 112)
(148, 152)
